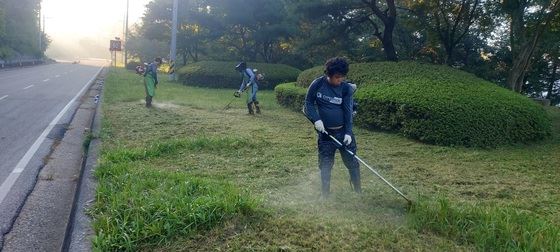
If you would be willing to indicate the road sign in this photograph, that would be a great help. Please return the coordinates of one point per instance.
(115, 45)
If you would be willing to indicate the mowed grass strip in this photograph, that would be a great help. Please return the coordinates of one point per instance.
(271, 159)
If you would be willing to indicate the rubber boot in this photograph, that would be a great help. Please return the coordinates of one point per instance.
(148, 101)
(250, 108)
(258, 109)
(355, 180)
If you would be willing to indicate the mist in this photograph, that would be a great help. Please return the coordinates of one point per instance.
(85, 31)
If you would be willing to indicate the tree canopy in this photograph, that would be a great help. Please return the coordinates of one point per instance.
(19, 29)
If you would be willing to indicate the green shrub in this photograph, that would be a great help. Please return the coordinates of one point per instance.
(290, 95)
(440, 105)
(220, 74)
(373, 73)
(487, 228)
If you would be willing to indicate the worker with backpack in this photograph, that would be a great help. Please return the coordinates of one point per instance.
(329, 105)
(248, 82)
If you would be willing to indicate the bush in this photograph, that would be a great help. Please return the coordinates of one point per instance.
(440, 105)
(290, 95)
(221, 74)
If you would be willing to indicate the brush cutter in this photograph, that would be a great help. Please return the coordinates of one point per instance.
(339, 144)
(237, 94)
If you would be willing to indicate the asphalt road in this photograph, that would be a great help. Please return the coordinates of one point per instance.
(33, 101)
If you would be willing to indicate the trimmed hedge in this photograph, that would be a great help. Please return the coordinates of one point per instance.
(290, 95)
(221, 74)
(440, 105)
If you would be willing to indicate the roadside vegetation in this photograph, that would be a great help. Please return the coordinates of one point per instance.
(188, 175)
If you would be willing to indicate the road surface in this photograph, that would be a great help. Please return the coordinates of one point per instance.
(35, 104)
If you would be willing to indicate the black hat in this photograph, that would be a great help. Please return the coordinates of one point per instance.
(241, 66)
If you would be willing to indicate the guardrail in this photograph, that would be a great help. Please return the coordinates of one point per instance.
(20, 63)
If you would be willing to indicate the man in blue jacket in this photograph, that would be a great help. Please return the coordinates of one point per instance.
(329, 105)
(249, 82)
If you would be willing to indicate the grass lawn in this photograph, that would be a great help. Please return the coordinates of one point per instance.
(188, 175)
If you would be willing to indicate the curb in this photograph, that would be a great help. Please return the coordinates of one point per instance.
(79, 230)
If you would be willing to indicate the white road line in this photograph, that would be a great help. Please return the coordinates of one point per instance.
(11, 179)
(45, 80)
(28, 87)
(3, 97)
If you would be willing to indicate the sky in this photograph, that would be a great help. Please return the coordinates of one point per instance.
(83, 28)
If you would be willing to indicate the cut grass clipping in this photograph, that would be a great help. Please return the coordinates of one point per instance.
(487, 228)
(139, 206)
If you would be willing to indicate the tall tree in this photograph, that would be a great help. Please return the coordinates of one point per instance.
(19, 29)
(450, 20)
(543, 78)
(528, 21)
(337, 17)
(386, 12)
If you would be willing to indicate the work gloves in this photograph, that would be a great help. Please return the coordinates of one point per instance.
(237, 94)
(319, 126)
(347, 139)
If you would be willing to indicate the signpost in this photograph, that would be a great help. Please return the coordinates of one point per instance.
(115, 46)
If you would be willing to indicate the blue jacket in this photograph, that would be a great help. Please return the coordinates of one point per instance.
(331, 104)
(249, 78)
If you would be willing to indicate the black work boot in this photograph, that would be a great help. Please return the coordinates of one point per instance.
(258, 109)
(148, 101)
(355, 180)
(250, 108)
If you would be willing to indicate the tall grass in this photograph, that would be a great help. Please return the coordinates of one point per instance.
(487, 228)
(138, 206)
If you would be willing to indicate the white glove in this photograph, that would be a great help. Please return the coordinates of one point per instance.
(347, 139)
(319, 126)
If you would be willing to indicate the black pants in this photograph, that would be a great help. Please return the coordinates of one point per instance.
(327, 148)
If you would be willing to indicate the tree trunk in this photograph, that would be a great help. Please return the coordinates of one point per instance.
(449, 52)
(522, 51)
(517, 72)
(388, 46)
(196, 52)
(389, 19)
(550, 88)
(184, 54)
(521, 62)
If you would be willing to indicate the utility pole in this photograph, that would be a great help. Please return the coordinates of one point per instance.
(126, 37)
(41, 29)
(173, 53)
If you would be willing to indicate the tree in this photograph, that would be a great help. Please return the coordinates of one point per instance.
(450, 20)
(388, 17)
(528, 21)
(364, 18)
(224, 29)
(20, 21)
(146, 49)
(543, 78)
